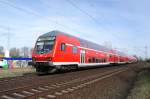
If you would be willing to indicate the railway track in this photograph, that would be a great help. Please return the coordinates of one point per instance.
(11, 79)
(49, 90)
(37, 80)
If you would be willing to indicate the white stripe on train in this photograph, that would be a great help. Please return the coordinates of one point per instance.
(84, 64)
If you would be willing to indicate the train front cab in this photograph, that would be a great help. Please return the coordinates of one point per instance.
(62, 55)
(42, 55)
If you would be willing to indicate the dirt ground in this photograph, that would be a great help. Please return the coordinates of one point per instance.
(116, 87)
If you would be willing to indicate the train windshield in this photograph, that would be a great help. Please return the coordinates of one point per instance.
(44, 45)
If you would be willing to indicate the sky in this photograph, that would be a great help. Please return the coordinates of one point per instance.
(122, 24)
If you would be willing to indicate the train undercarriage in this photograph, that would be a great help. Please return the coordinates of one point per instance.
(45, 68)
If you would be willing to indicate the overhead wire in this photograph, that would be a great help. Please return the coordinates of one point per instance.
(89, 15)
(30, 12)
(35, 14)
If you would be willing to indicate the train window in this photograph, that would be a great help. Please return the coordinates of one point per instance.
(90, 60)
(44, 46)
(104, 60)
(75, 50)
(46, 38)
(93, 60)
(63, 46)
(110, 56)
(101, 60)
(97, 60)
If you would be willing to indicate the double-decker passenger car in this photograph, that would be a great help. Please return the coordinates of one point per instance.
(56, 50)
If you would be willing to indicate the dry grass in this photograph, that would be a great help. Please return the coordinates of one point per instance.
(15, 72)
(141, 89)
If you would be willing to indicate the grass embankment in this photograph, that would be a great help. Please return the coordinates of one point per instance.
(15, 72)
(141, 89)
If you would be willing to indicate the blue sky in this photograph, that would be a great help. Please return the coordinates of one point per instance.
(124, 24)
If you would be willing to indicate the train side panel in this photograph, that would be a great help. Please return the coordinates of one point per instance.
(64, 50)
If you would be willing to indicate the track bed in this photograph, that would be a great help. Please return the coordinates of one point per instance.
(62, 85)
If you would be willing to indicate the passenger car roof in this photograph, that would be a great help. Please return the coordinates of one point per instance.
(84, 43)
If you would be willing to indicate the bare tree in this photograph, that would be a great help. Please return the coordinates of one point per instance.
(1, 51)
(14, 52)
(25, 52)
(31, 50)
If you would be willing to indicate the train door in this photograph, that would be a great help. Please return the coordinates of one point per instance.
(82, 56)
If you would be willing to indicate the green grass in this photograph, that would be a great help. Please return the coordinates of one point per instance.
(15, 72)
(141, 89)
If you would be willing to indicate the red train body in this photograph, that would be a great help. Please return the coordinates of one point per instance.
(58, 51)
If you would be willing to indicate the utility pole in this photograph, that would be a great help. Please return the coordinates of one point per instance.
(7, 28)
(8, 42)
(146, 52)
(8, 39)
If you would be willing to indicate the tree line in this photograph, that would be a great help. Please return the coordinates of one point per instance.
(14, 52)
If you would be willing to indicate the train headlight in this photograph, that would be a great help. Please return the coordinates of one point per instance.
(49, 59)
(33, 59)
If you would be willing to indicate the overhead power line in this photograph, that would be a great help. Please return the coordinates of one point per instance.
(89, 15)
(86, 13)
(30, 12)
(19, 8)
(7, 28)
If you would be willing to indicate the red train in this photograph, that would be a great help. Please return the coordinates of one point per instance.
(56, 50)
